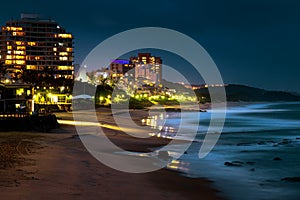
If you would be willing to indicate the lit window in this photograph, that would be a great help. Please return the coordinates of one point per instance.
(21, 47)
(9, 47)
(64, 35)
(20, 62)
(63, 58)
(20, 91)
(31, 43)
(20, 43)
(65, 68)
(19, 52)
(20, 57)
(8, 62)
(12, 28)
(54, 49)
(31, 67)
(69, 49)
(63, 53)
(18, 33)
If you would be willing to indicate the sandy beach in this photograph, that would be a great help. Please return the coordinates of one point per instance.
(57, 166)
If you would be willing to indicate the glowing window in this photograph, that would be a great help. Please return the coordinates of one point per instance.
(20, 91)
(63, 53)
(65, 68)
(69, 49)
(31, 67)
(31, 43)
(19, 52)
(8, 62)
(20, 62)
(64, 35)
(63, 58)
(20, 43)
(12, 28)
(20, 57)
(21, 47)
(9, 47)
(18, 33)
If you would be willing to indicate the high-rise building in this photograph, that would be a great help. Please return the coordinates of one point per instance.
(119, 68)
(148, 69)
(37, 51)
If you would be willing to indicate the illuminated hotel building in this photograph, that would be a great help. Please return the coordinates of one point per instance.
(148, 69)
(120, 68)
(37, 49)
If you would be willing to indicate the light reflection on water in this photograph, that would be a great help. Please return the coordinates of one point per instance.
(178, 166)
(254, 135)
(157, 123)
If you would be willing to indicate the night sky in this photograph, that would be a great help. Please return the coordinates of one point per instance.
(253, 42)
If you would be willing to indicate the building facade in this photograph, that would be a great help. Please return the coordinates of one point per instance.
(148, 68)
(16, 97)
(119, 67)
(37, 51)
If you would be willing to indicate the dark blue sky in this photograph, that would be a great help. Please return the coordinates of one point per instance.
(253, 42)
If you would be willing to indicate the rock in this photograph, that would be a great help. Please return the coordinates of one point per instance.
(284, 142)
(244, 144)
(244, 151)
(164, 155)
(232, 164)
(291, 179)
(237, 162)
(277, 158)
(261, 143)
(252, 169)
(75, 137)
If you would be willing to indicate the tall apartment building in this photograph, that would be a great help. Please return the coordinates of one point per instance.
(37, 51)
(119, 67)
(148, 68)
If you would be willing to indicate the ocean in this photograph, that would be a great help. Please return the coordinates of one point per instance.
(256, 157)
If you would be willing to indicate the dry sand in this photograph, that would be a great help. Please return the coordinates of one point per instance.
(57, 166)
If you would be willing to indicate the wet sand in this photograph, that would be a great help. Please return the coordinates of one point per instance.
(57, 166)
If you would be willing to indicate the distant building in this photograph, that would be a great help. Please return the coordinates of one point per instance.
(119, 67)
(37, 51)
(16, 97)
(148, 68)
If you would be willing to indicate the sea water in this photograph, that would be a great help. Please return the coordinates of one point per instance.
(262, 140)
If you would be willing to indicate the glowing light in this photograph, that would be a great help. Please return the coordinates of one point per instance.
(13, 28)
(65, 35)
(31, 43)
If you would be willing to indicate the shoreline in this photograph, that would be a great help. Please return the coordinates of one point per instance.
(61, 160)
